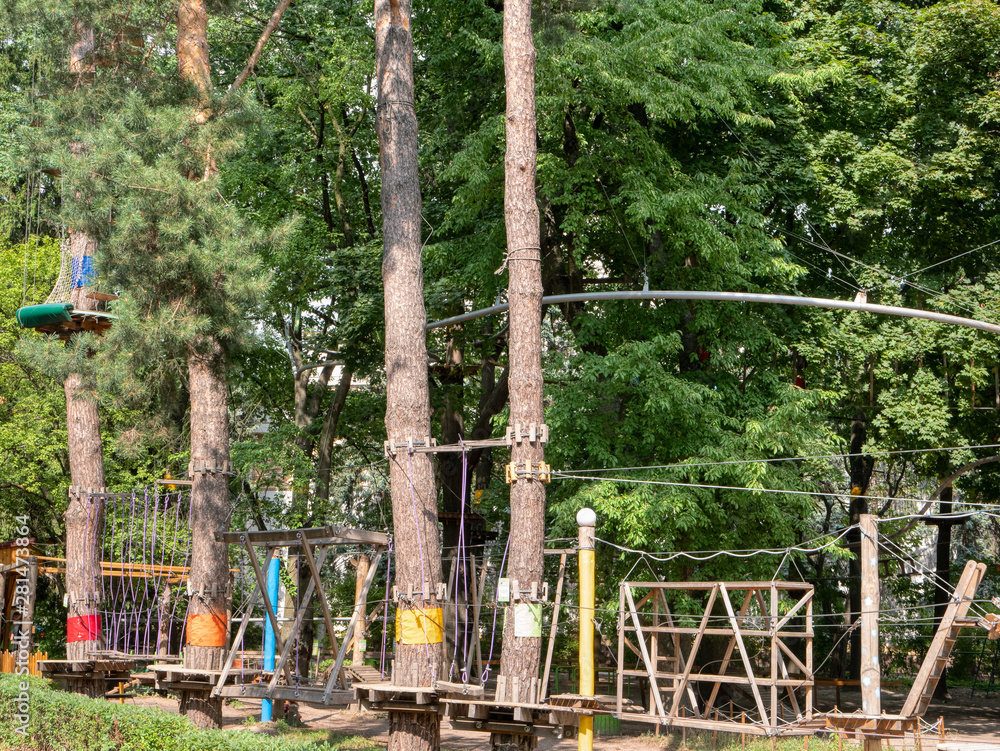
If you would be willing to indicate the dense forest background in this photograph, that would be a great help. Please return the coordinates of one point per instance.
(828, 149)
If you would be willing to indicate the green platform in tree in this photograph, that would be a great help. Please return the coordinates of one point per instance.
(74, 304)
(32, 316)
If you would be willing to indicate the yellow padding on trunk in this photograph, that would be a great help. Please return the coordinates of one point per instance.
(420, 626)
(206, 630)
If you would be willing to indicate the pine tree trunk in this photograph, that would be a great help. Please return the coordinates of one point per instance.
(209, 570)
(414, 496)
(205, 632)
(521, 654)
(192, 45)
(84, 519)
(85, 514)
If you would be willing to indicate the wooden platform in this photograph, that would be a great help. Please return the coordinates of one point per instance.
(854, 722)
(312, 694)
(86, 668)
(82, 320)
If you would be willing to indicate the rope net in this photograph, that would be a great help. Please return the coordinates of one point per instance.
(61, 291)
(146, 537)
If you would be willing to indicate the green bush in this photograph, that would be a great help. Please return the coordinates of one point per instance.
(61, 721)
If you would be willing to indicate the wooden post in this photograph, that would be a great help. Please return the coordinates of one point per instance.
(29, 611)
(360, 605)
(871, 687)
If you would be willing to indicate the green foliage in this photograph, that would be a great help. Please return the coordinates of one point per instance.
(60, 720)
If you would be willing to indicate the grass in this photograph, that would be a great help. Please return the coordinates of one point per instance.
(60, 721)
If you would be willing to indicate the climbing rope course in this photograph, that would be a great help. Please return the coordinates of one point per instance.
(145, 539)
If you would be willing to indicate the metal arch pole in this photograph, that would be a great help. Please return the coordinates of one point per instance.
(810, 302)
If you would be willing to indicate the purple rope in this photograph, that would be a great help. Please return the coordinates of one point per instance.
(130, 587)
(187, 553)
(113, 582)
(463, 554)
(106, 553)
(152, 581)
(173, 553)
(142, 608)
(385, 608)
(164, 574)
(493, 635)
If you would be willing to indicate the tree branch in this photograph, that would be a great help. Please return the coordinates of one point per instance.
(265, 35)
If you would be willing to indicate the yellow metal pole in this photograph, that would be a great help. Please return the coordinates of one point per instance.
(586, 519)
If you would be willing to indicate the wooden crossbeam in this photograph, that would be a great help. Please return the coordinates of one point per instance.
(342, 652)
(238, 641)
(743, 652)
(304, 603)
(268, 606)
(641, 638)
(324, 605)
(282, 538)
(724, 666)
(679, 653)
(678, 691)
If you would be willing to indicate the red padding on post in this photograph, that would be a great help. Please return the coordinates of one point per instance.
(83, 627)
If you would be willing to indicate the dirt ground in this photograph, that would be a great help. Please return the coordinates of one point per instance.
(974, 719)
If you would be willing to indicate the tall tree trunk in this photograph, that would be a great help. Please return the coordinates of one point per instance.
(324, 457)
(414, 496)
(85, 513)
(861, 467)
(209, 571)
(521, 652)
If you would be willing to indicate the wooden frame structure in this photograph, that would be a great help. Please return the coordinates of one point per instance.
(770, 615)
(312, 545)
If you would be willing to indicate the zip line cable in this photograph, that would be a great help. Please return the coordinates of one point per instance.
(570, 472)
(705, 555)
(939, 263)
(707, 486)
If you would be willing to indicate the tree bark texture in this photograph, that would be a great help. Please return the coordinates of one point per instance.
(414, 496)
(209, 570)
(521, 654)
(210, 464)
(85, 514)
(192, 45)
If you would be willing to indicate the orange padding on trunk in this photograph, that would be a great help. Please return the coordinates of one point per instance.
(206, 630)
(83, 627)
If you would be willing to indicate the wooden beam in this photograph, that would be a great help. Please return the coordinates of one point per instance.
(743, 652)
(650, 668)
(552, 631)
(324, 606)
(679, 689)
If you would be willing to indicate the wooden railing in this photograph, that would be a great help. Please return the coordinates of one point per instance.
(8, 662)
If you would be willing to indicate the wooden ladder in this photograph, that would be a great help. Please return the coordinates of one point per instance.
(951, 624)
